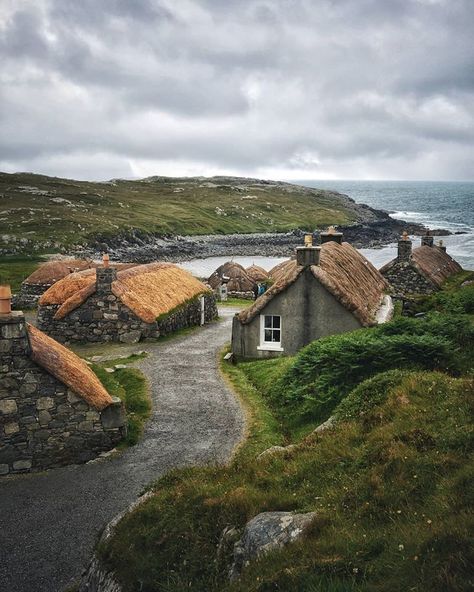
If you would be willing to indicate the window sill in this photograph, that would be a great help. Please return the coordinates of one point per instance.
(269, 348)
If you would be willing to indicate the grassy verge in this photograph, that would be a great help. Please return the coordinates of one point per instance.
(13, 270)
(240, 302)
(391, 484)
(130, 385)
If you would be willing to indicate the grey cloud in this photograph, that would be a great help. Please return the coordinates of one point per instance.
(238, 86)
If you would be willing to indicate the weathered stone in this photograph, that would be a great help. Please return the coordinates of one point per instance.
(44, 417)
(22, 465)
(4, 469)
(11, 428)
(8, 406)
(131, 337)
(45, 403)
(275, 450)
(265, 532)
(114, 416)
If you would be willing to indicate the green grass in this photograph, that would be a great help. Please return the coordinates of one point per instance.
(14, 269)
(240, 302)
(130, 385)
(392, 485)
(187, 206)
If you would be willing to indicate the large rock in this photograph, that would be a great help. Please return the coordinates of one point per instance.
(266, 532)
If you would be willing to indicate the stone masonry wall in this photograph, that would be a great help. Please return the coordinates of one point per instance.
(44, 424)
(29, 295)
(104, 318)
(406, 280)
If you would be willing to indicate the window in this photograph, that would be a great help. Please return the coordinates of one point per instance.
(270, 332)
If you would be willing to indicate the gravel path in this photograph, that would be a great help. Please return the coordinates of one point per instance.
(50, 521)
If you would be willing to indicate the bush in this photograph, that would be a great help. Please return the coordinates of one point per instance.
(460, 301)
(328, 369)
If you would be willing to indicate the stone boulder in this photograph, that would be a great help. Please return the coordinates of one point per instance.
(266, 532)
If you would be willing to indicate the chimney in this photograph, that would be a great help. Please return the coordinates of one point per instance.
(404, 248)
(441, 246)
(307, 255)
(105, 276)
(13, 336)
(427, 240)
(331, 235)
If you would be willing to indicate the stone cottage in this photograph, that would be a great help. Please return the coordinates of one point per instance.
(421, 270)
(104, 304)
(53, 409)
(47, 274)
(325, 290)
(238, 281)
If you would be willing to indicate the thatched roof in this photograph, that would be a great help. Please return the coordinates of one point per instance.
(148, 290)
(239, 281)
(68, 368)
(432, 263)
(257, 273)
(281, 269)
(52, 271)
(344, 272)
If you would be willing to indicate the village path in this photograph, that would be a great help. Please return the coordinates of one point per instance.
(49, 522)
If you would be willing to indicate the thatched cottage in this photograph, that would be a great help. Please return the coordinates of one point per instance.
(421, 270)
(326, 290)
(44, 277)
(47, 274)
(239, 283)
(104, 304)
(257, 273)
(53, 408)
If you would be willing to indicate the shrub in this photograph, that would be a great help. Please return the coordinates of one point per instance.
(460, 301)
(328, 369)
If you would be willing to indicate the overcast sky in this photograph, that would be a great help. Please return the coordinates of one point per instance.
(288, 89)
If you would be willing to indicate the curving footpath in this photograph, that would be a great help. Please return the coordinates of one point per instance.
(49, 522)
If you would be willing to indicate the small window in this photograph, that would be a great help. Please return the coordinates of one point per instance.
(270, 332)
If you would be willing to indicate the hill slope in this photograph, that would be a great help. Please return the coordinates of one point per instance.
(43, 213)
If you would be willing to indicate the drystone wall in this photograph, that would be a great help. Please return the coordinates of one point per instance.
(103, 318)
(29, 295)
(407, 281)
(44, 424)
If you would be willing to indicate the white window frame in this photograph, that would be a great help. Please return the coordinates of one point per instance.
(269, 345)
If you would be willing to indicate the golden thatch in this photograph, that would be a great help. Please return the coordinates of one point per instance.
(434, 264)
(344, 272)
(148, 290)
(239, 280)
(63, 364)
(257, 273)
(52, 271)
(281, 269)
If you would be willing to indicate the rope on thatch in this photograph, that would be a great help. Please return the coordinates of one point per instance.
(68, 368)
(148, 290)
(434, 264)
(239, 280)
(344, 272)
(257, 273)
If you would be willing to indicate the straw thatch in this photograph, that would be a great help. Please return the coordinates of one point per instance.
(239, 281)
(52, 271)
(344, 272)
(434, 264)
(281, 269)
(148, 290)
(68, 368)
(257, 273)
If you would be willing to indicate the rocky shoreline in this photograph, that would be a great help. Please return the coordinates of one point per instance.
(141, 248)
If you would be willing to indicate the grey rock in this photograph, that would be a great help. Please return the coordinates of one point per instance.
(131, 337)
(266, 532)
(275, 450)
(329, 424)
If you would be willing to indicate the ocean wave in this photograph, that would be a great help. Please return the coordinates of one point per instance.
(425, 218)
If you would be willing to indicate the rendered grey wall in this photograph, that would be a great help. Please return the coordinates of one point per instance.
(308, 312)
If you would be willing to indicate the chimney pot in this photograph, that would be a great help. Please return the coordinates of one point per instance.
(441, 246)
(331, 234)
(5, 300)
(105, 259)
(308, 240)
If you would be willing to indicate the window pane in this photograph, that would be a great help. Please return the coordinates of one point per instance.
(268, 322)
(268, 335)
(276, 336)
(276, 322)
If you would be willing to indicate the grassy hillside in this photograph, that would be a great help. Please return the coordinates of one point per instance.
(47, 213)
(391, 484)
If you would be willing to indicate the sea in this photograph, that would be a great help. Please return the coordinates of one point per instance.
(437, 204)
